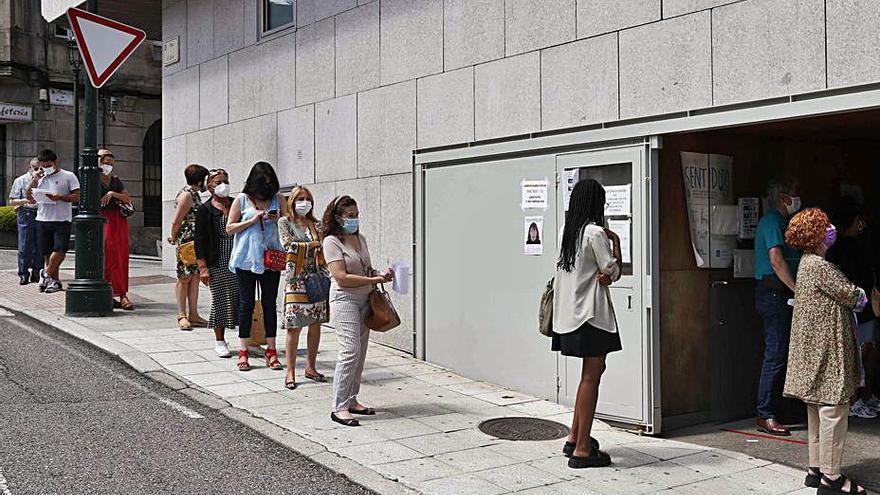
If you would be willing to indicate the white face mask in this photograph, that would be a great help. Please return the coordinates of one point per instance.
(48, 170)
(221, 190)
(303, 207)
(795, 205)
(106, 169)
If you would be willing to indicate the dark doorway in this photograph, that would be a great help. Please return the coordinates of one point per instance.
(3, 164)
(153, 175)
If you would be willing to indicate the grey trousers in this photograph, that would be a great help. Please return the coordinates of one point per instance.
(347, 312)
(827, 426)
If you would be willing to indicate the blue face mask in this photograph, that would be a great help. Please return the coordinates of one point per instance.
(349, 225)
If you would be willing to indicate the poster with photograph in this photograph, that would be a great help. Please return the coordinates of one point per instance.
(534, 194)
(533, 236)
(708, 182)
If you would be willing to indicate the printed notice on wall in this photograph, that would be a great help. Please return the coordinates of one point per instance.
(708, 181)
(618, 200)
(534, 236)
(534, 194)
(749, 215)
(623, 229)
(569, 178)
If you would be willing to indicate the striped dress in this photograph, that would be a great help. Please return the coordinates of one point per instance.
(224, 285)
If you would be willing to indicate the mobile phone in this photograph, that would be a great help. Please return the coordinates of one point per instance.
(273, 212)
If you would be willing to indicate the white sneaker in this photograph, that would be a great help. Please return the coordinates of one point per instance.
(873, 403)
(861, 410)
(44, 280)
(222, 349)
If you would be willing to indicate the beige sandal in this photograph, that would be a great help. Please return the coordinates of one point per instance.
(184, 323)
(198, 321)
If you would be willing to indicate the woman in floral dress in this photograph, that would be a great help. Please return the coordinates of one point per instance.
(183, 230)
(299, 237)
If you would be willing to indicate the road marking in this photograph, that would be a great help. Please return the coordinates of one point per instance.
(4, 490)
(181, 409)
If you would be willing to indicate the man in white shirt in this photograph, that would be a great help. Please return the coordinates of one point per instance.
(57, 189)
(30, 258)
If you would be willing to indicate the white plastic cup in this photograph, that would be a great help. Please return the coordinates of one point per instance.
(401, 278)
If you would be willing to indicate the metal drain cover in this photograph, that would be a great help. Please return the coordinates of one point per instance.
(522, 428)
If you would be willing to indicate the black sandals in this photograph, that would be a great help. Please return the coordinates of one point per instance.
(597, 458)
(568, 448)
(832, 487)
(814, 478)
(367, 411)
(345, 422)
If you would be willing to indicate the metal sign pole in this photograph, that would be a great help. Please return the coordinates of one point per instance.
(89, 294)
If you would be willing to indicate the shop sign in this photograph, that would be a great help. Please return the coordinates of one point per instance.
(708, 182)
(16, 113)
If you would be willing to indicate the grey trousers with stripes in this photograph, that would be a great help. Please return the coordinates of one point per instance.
(348, 312)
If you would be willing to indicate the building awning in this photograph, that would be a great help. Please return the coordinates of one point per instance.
(143, 14)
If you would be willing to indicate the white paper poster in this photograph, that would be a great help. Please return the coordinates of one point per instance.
(618, 200)
(534, 194)
(749, 215)
(708, 181)
(623, 229)
(41, 196)
(570, 178)
(533, 236)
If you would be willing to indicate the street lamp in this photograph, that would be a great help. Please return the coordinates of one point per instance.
(88, 294)
(75, 65)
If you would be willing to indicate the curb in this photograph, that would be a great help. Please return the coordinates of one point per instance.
(145, 365)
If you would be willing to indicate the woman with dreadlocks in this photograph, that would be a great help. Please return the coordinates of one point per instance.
(584, 324)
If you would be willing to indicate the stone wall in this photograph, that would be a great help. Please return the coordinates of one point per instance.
(341, 102)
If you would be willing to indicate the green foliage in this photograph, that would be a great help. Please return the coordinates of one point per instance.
(8, 219)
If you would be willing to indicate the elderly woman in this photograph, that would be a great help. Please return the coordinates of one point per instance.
(822, 367)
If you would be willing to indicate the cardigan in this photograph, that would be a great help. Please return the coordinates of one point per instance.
(208, 224)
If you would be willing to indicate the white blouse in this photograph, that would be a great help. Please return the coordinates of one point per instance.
(578, 296)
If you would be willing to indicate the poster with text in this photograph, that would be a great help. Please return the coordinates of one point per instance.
(570, 178)
(534, 194)
(708, 182)
(533, 237)
(623, 229)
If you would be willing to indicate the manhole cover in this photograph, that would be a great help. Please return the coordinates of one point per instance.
(531, 429)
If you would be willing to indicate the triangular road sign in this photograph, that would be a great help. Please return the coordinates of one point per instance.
(103, 43)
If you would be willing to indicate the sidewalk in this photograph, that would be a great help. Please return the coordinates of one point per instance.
(424, 439)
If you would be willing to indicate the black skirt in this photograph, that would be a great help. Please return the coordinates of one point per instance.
(586, 341)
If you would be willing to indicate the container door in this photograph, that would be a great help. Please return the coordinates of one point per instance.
(628, 389)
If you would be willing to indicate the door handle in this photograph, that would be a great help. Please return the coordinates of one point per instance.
(629, 302)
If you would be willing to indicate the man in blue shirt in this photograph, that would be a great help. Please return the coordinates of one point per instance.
(30, 260)
(776, 265)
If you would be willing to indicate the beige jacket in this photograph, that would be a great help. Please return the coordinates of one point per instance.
(578, 296)
(822, 366)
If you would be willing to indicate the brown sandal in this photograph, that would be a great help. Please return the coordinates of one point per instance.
(184, 323)
(198, 321)
(272, 361)
(243, 364)
(125, 303)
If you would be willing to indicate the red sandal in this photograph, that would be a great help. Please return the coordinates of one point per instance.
(272, 361)
(243, 364)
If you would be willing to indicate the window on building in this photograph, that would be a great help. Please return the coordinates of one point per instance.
(153, 176)
(278, 14)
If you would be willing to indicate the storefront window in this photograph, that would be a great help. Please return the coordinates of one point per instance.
(278, 14)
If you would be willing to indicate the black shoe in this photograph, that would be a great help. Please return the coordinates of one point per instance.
(568, 448)
(597, 458)
(346, 422)
(23, 280)
(813, 480)
(35, 276)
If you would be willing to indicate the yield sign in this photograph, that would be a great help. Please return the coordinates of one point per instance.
(103, 43)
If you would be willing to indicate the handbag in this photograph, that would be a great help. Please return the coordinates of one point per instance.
(186, 253)
(545, 310)
(125, 209)
(318, 286)
(381, 316)
(275, 260)
(258, 329)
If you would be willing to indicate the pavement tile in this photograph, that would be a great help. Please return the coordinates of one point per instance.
(395, 428)
(669, 474)
(253, 402)
(442, 443)
(528, 451)
(155, 347)
(452, 421)
(557, 466)
(666, 451)
(478, 459)
(610, 481)
(466, 484)
(417, 368)
(340, 438)
(275, 384)
(421, 469)
(519, 477)
(379, 453)
(217, 378)
(442, 378)
(176, 357)
(236, 389)
(198, 368)
(564, 488)
(505, 398)
(539, 408)
(624, 457)
(765, 480)
(713, 463)
(474, 388)
(416, 410)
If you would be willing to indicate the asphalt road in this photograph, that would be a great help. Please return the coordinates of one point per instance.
(74, 420)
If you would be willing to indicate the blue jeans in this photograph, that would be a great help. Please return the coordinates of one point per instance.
(772, 305)
(29, 254)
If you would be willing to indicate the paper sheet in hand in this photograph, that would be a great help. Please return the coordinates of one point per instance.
(40, 196)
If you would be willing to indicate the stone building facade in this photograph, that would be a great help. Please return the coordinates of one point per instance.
(341, 98)
(34, 57)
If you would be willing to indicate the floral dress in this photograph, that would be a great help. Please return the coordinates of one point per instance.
(187, 231)
(301, 261)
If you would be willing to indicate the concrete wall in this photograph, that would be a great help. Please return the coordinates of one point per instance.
(342, 101)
